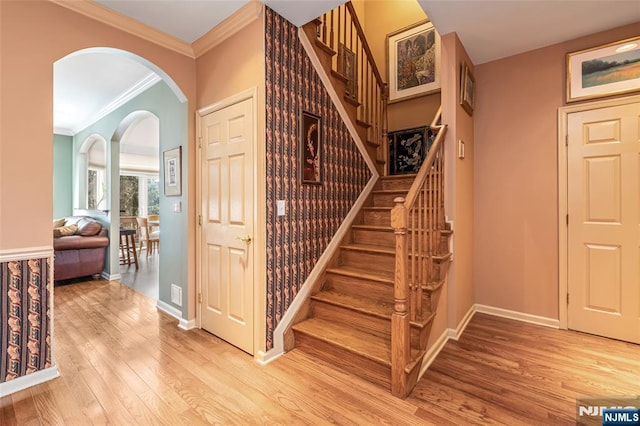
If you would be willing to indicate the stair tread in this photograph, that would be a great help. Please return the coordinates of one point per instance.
(368, 274)
(403, 176)
(373, 227)
(390, 191)
(379, 308)
(367, 345)
(369, 247)
(377, 208)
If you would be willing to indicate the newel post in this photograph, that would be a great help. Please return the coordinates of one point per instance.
(400, 327)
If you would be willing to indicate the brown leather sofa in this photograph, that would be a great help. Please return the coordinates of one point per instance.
(83, 252)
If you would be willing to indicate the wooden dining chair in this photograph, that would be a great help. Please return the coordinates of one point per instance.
(154, 222)
(150, 239)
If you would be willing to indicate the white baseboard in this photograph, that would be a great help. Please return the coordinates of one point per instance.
(455, 334)
(433, 352)
(24, 382)
(111, 277)
(264, 358)
(518, 316)
(169, 310)
(187, 324)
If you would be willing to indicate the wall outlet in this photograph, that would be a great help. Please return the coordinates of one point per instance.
(282, 208)
(176, 295)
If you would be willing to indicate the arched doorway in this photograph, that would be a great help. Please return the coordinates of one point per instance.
(152, 96)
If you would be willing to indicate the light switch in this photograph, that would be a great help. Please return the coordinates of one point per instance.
(281, 207)
(460, 148)
(177, 207)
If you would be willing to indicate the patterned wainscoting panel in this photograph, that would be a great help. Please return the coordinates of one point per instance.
(25, 318)
(314, 212)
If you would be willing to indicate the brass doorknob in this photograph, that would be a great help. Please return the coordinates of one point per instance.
(246, 239)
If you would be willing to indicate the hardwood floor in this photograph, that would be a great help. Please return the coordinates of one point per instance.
(124, 363)
(144, 279)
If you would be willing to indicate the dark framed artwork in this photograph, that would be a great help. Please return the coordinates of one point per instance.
(467, 89)
(408, 149)
(310, 148)
(172, 159)
(348, 66)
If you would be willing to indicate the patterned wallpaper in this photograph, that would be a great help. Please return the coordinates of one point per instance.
(314, 212)
(25, 345)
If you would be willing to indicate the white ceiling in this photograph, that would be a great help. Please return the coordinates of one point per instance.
(88, 86)
(490, 29)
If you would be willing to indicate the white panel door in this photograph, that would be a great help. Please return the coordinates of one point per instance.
(227, 224)
(604, 222)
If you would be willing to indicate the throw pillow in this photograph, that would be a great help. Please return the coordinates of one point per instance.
(64, 231)
(57, 223)
(89, 229)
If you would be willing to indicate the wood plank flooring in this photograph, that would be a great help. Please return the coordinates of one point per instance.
(124, 363)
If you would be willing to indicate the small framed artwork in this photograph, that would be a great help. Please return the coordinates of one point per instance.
(408, 148)
(467, 88)
(413, 58)
(172, 160)
(607, 70)
(348, 66)
(310, 148)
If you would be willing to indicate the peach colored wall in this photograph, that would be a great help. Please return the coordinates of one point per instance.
(516, 176)
(34, 35)
(459, 180)
(233, 66)
(380, 19)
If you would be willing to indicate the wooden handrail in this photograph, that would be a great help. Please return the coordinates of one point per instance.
(363, 40)
(417, 221)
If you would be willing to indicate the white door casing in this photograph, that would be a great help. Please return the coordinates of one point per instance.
(226, 240)
(603, 233)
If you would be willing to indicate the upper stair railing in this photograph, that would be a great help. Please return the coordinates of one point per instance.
(418, 220)
(341, 30)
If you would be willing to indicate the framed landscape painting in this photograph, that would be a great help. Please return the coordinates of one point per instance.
(607, 70)
(414, 61)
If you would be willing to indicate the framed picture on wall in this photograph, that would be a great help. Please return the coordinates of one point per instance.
(606, 70)
(467, 88)
(408, 148)
(347, 67)
(310, 148)
(413, 59)
(172, 162)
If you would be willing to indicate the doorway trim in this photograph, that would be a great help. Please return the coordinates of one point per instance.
(563, 209)
(259, 290)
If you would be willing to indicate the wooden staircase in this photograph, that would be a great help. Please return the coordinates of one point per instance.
(349, 319)
(373, 308)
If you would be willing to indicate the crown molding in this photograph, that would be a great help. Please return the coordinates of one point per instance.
(144, 84)
(129, 25)
(234, 23)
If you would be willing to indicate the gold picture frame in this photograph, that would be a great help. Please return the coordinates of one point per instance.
(413, 61)
(467, 88)
(605, 70)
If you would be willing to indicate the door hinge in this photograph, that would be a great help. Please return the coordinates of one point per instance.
(199, 141)
(199, 297)
(200, 219)
(567, 220)
(567, 298)
(566, 139)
